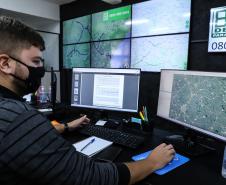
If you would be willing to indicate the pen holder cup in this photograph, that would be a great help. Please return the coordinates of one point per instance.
(147, 126)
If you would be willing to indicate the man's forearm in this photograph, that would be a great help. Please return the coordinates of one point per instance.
(59, 127)
(139, 170)
(158, 158)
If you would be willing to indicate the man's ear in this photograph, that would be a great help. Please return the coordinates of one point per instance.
(5, 65)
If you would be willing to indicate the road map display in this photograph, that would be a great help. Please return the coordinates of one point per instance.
(160, 52)
(199, 101)
(160, 17)
(111, 54)
(77, 55)
(77, 30)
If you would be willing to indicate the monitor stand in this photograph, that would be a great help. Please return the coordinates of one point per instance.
(188, 144)
(104, 115)
(100, 115)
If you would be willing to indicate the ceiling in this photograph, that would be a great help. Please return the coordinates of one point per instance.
(59, 2)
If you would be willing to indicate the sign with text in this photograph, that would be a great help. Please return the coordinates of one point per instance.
(217, 30)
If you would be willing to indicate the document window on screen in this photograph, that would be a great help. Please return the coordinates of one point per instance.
(107, 89)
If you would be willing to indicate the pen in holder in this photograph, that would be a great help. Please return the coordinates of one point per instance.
(147, 126)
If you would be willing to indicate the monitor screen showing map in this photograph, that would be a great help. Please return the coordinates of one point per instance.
(160, 52)
(76, 55)
(77, 30)
(160, 17)
(111, 54)
(194, 99)
(111, 24)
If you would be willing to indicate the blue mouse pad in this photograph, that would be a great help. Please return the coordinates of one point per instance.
(177, 161)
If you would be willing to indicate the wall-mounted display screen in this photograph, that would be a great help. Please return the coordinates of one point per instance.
(76, 55)
(150, 35)
(111, 54)
(160, 17)
(77, 30)
(160, 52)
(111, 24)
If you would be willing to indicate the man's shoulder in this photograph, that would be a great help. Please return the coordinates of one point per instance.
(11, 110)
(14, 105)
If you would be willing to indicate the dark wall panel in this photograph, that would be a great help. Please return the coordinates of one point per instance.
(85, 7)
(204, 61)
(200, 15)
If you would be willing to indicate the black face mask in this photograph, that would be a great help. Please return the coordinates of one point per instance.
(33, 80)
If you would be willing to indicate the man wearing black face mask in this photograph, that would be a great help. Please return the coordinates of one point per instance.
(31, 150)
(33, 81)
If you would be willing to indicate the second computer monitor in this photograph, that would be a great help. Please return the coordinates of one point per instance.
(107, 89)
(194, 99)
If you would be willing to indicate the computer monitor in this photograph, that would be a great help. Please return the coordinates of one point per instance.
(106, 89)
(195, 100)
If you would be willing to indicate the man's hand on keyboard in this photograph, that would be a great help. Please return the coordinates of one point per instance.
(78, 123)
(161, 156)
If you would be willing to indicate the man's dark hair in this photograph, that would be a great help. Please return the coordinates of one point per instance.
(15, 36)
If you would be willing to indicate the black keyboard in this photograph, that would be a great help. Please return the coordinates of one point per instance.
(118, 137)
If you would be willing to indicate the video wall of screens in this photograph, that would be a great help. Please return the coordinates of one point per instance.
(150, 35)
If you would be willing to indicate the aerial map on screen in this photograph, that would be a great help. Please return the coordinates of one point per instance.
(199, 101)
(160, 17)
(160, 52)
(111, 54)
(111, 24)
(77, 30)
(77, 55)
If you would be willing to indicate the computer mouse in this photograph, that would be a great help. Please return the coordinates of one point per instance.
(174, 138)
